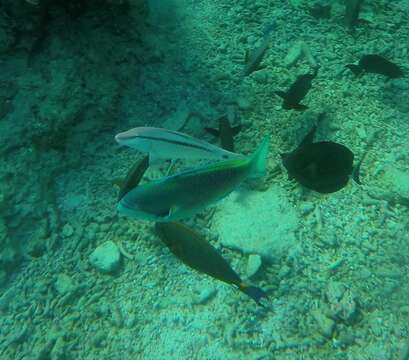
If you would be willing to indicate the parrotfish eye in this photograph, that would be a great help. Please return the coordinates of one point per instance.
(225, 156)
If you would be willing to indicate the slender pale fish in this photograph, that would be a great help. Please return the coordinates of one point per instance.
(187, 193)
(168, 145)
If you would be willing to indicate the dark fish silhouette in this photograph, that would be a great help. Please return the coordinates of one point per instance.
(225, 132)
(376, 64)
(323, 166)
(297, 91)
(352, 10)
(133, 177)
(193, 250)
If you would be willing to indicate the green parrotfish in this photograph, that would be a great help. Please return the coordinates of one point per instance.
(186, 193)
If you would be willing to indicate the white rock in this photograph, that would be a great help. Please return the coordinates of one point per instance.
(63, 284)
(253, 265)
(106, 257)
(262, 223)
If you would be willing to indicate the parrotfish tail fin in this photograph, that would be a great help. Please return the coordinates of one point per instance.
(281, 94)
(299, 107)
(253, 292)
(236, 129)
(356, 69)
(259, 159)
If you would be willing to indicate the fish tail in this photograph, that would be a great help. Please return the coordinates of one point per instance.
(253, 292)
(356, 69)
(259, 159)
(281, 94)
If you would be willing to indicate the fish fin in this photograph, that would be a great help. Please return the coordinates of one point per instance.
(309, 138)
(236, 129)
(356, 69)
(281, 94)
(153, 159)
(118, 182)
(259, 159)
(253, 292)
(212, 131)
(299, 107)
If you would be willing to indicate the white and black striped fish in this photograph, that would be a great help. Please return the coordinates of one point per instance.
(166, 144)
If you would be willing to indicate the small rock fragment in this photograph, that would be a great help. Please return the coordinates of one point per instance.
(253, 265)
(67, 230)
(325, 324)
(106, 257)
(63, 284)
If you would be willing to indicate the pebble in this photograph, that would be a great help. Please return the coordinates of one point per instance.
(106, 257)
(67, 230)
(63, 284)
(326, 325)
(253, 265)
(205, 295)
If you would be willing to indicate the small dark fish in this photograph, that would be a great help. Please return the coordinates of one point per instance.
(197, 253)
(320, 11)
(376, 64)
(225, 132)
(323, 166)
(253, 58)
(133, 177)
(297, 91)
(352, 10)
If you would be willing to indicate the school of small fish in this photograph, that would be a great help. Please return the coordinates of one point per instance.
(324, 167)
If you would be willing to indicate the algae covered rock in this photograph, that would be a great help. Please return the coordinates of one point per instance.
(106, 257)
(262, 223)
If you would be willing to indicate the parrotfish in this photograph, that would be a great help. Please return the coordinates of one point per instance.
(297, 91)
(225, 132)
(133, 177)
(166, 144)
(193, 250)
(376, 64)
(188, 192)
(323, 166)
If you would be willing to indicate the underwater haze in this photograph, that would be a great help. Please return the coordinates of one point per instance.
(295, 247)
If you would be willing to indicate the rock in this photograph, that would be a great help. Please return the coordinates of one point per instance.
(106, 257)
(325, 324)
(67, 230)
(205, 295)
(347, 309)
(253, 265)
(261, 223)
(335, 290)
(63, 284)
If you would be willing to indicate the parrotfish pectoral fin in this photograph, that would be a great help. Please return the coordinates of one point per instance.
(259, 159)
(253, 292)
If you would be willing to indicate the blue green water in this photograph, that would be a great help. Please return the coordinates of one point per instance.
(78, 281)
